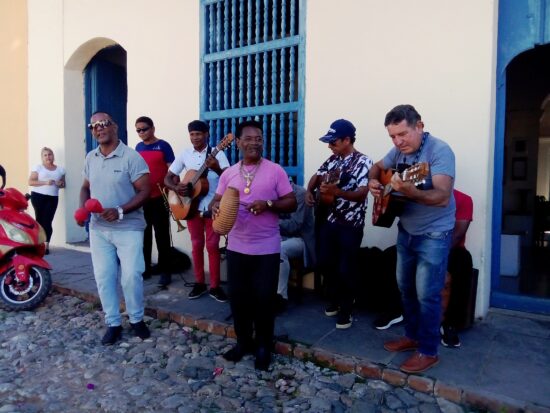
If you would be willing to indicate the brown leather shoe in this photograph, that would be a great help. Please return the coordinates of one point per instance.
(418, 363)
(401, 344)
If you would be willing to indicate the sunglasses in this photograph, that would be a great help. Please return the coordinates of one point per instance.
(100, 123)
(140, 130)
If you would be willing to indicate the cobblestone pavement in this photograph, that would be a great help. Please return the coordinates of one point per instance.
(51, 360)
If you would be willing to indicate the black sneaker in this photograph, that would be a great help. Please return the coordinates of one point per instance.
(331, 310)
(263, 359)
(236, 353)
(141, 330)
(449, 337)
(156, 269)
(146, 274)
(386, 321)
(112, 335)
(198, 290)
(164, 280)
(343, 321)
(218, 294)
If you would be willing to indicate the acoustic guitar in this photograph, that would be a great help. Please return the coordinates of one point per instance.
(184, 207)
(331, 177)
(387, 206)
(324, 201)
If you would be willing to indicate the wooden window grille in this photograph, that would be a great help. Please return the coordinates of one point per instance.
(252, 67)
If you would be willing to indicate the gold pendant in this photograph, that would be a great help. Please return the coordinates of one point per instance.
(246, 190)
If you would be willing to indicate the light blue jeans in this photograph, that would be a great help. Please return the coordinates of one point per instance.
(108, 248)
(290, 248)
(421, 268)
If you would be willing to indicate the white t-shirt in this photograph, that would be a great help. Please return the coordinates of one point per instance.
(192, 159)
(46, 175)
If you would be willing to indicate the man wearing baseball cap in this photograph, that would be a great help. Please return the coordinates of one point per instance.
(339, 187)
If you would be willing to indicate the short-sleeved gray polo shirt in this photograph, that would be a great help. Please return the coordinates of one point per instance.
(418, 219)
(111, 182)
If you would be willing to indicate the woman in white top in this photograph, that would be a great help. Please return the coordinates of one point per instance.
(46, 179)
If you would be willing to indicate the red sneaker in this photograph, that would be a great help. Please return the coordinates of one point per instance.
(418, 363)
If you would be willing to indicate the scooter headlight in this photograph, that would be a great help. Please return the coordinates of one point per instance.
(15, 234)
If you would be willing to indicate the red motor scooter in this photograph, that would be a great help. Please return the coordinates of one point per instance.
(25, 279)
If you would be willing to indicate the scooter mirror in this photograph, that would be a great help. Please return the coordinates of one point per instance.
(3, 175)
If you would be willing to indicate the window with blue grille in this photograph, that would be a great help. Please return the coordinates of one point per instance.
(252, 67)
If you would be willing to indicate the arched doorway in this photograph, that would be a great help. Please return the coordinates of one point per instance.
(94, 78)
(106, 89)
(521, 254)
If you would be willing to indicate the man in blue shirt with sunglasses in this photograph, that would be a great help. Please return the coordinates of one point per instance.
(118, 177)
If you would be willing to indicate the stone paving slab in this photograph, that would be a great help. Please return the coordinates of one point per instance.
(502, 365)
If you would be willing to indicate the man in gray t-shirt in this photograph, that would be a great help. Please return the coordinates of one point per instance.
(425, 231)
(118, 177)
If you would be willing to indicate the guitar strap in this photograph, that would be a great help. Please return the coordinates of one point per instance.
(208, 152)
(416, 158)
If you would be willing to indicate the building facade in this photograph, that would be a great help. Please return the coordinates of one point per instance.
(13, 83)
(298, 65)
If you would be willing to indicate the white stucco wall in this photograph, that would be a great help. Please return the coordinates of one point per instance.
(365, 57)
(13, 84)
(45, 121)
(362, 58)
(162, 45)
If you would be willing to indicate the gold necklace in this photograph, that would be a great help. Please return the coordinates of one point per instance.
(248, 176)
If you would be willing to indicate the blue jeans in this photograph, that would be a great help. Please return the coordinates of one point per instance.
(421, 268)
(108, 248)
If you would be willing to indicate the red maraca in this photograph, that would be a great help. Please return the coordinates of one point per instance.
(93, 205)
(81, 215)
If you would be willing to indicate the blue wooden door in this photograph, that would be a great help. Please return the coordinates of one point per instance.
(522, 26)
(106, 89)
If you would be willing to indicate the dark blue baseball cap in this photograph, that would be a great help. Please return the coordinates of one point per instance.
(340, 128)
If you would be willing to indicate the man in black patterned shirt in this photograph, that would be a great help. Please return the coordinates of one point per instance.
(341, 185)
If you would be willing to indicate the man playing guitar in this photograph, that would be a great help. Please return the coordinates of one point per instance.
(198, 221)
(339, 235)
(425, 232)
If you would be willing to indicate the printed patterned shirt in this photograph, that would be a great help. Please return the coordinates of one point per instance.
(354, 171)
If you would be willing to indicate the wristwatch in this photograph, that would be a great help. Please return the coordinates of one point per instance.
(269, 203)
(120, 213)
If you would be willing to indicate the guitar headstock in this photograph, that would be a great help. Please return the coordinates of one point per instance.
(416, 174)
(225, 142)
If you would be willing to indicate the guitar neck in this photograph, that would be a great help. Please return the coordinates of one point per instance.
(413, 174)
(203, 168)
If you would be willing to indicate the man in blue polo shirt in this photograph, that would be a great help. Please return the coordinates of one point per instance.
(425, 232)
(118, 177)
